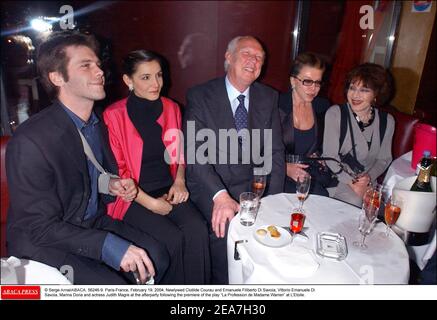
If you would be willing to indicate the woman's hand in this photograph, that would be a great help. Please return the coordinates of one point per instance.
(360, 185)
(160, 205)
(178, 193)
(294, 170)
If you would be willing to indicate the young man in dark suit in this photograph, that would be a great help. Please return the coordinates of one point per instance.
(234, 102)
(56, 214)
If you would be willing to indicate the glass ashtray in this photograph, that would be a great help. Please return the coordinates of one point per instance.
(331, 245)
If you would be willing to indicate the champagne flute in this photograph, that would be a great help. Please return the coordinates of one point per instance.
(302, 188)
(391, 213)
(365, 227)
(372, 202)
(259, 182)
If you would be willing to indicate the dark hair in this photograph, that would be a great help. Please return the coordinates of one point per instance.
(372, 76)
(52, 57)
(306, 59)
(134, 58)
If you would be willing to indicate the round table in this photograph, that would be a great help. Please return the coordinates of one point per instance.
(384, 262)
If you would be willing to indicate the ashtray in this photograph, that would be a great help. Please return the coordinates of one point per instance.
(331, 245)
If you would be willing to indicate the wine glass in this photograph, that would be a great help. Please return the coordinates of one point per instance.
(391, 213)
(259, 182)
(365, 227)
(302, 188)
(372, 202)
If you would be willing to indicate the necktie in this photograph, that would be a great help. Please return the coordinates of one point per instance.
(240, 114)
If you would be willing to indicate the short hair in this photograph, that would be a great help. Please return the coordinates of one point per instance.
(52, 55)
(232, 46)
(134, 58)
(307, 59)
(372, 76)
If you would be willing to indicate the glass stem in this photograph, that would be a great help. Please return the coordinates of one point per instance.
(387, 230)
(363, 240)
(300, 204)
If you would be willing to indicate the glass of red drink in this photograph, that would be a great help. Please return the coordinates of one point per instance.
(297, 220)
(391, 213)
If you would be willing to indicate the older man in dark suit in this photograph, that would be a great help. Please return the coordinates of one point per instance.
(217, 109)
(56, 214)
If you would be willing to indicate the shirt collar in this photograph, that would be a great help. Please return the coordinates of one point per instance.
(233, 93)
(78, 122)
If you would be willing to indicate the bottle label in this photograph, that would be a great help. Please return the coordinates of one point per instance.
(424, 174)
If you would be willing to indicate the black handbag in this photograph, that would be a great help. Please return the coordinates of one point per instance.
(320, 172)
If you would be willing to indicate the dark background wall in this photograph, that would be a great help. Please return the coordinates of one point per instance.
(193, 36)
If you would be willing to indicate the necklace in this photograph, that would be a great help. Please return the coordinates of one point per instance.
(362, 124)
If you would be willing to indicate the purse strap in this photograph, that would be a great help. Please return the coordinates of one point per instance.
(349, 122)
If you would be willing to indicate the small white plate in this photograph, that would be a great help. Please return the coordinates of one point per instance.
(269, 241)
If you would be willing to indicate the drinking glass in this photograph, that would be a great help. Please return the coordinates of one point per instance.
(391, 213)
(297, 220)
(372, 202)
(294, 158)
(365, 227)
(302, 188)
(259, 182)
(248, 208)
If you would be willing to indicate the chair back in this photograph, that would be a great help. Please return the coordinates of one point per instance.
(4, 195)
(404, 132)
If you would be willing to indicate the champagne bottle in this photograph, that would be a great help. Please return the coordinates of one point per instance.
(423, 183)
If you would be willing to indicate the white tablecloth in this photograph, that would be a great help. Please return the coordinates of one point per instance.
(384, 262)
(22, 271)
(399, 170)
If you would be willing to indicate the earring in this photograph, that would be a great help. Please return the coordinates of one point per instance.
(292, 87)
(131, 87)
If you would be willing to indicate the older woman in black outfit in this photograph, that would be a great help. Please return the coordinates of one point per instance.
(302, 114)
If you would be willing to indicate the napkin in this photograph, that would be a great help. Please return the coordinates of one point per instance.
(293, 262)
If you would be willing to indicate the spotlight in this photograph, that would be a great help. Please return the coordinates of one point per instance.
(40, 25)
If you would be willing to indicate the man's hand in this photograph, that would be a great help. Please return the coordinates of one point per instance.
(124, 188)
(136, 259)
(178, 193)
(224, 210)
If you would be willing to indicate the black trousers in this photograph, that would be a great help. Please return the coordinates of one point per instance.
(87, 271)
(219, 258)
(184, 234)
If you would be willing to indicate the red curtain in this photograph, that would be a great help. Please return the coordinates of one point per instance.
(349, 50)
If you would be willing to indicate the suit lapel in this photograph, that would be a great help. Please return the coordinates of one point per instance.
(256, 114)
(69, 139)
(223, 110)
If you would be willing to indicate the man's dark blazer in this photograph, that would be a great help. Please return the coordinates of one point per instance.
(49, 189)
(208, 105)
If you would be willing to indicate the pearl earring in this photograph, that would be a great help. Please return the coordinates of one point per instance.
(131, 87)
